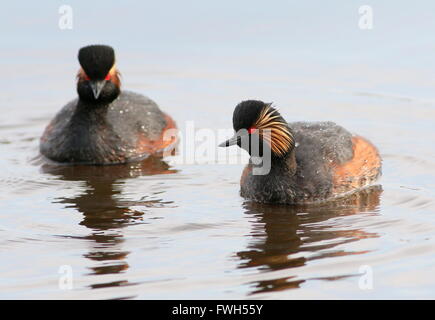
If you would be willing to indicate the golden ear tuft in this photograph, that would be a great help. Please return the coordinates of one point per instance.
(274, 130)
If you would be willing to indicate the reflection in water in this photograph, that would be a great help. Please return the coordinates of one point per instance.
(281, 234)
(104, 211)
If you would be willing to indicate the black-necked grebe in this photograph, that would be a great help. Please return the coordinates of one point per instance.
(105, 125)
(309, 162)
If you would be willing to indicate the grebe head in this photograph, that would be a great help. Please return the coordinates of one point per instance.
(98, 79)
(254, 120)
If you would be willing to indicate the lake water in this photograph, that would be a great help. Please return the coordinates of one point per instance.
(171, 230)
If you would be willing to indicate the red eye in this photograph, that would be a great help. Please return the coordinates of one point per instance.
(86, 77)
(107, 77)
(251, 130)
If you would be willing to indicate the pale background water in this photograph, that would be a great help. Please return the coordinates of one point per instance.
(163, 230)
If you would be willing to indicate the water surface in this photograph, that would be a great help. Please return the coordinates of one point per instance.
(161, 229)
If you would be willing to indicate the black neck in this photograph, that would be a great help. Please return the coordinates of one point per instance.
(288, 161)
(282, 165)
(94, 107)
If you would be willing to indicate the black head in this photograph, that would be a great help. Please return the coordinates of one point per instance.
(97, 60)
(246, 114)
(254, 118)
(98, 80)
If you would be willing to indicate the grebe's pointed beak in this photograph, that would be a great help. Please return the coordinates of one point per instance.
(97, 86)
(230, 142)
